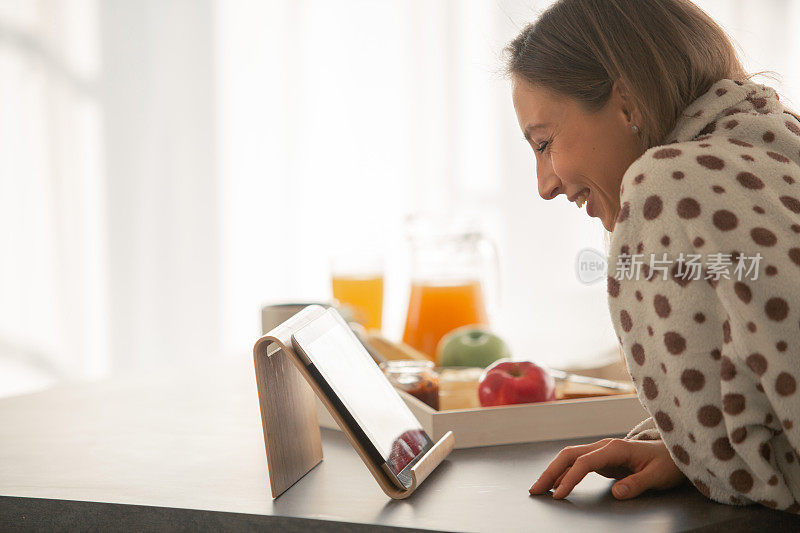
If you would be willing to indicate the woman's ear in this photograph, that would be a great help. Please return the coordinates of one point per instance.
(621, 95)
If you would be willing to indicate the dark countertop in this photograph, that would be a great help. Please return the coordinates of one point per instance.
(183, 449)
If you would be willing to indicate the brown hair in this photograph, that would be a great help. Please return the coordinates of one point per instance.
(666, 52)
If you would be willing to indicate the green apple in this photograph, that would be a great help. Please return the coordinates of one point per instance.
(471, 346)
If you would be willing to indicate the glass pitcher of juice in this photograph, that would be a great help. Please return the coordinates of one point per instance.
(453, 275)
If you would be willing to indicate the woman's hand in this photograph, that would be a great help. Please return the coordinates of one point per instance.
(639, 465)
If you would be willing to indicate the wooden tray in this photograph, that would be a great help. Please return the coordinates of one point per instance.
(509, 424)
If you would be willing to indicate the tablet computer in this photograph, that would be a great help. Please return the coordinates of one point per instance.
(367, 402)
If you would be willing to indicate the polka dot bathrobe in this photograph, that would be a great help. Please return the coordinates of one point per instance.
(704, 293)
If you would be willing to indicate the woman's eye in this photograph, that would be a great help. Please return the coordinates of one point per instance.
(542, 147)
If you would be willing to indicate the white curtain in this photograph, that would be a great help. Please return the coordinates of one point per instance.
(167, 167)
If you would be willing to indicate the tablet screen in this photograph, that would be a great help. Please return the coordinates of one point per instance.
(361, 386)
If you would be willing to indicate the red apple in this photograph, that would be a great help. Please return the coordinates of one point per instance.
(508, 382)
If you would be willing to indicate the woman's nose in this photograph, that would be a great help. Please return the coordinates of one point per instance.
(549, 185)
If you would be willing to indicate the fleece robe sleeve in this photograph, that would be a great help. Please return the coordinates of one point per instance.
(711, 357)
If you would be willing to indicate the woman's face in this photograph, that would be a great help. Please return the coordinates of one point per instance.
(576, 150)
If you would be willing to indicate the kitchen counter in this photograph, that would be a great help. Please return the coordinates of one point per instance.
(182, 448)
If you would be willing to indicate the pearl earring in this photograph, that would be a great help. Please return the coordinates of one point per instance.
(635, 128)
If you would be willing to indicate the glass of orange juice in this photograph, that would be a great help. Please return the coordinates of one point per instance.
(357, 282)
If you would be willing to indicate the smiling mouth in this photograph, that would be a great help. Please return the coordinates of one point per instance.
(582, 198)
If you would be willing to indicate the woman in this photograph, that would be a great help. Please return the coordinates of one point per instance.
(642, 107)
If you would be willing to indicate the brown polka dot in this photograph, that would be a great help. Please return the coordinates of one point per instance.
(743, 292)
(727, 369)
(751, 327)
(791, 203)
(726, 332)
(768, 419)
(678, 175)
(688, 208)
(759, 387)
(757, 363)
(778, 157)
(639, 247)
(692, 380)
(758, 209)
(613, 286)
(733, 404)
(795, 228)
(661, 305)
(665, 240)
(717, 189)
(664, 421)
(698, 242)
(776, 308)
(674, 342)
(711, 162)
(737, 142)
(691, 437)
(649, 331)
(747, 157)
(698, 113)
(676, 401)
(768, 137)
(724, 220)
(637, 352)
(701, 487)
(649, 388)
(680, 454)
(652, 207)
(709, 415)
(704, 145)
(709, 128)
(663, 368)
(749, 180)
(773, 480)
(639, 295)
(699, 318)
(625, 320)
(781, 346)
(785, 384)
(765, 451)
(731, 124)
(763, 236)
(789, 457)
(794, 128)
(787, 424)
(771, 270)
(624, 212)
(741, 481)
(716, 355)
(639, 178)
(794, 255)
(721, 91)
(739, 434)
(666, 153)
(788, 179)
(722, 449)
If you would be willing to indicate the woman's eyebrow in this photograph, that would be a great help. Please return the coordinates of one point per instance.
(529, 128)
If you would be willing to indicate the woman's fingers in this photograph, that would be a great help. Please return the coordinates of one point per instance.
(558, 481)
(615, 453)
(637, 483)
(561, 463)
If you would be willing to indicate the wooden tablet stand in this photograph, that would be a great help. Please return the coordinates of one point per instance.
(289, 416)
